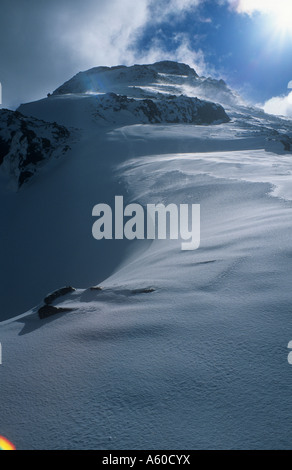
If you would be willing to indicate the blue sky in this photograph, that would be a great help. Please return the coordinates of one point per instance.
(244, 49)
(246, 42)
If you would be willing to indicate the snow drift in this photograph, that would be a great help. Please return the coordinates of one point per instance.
(154, 348)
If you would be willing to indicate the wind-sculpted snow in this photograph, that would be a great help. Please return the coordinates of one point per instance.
(142, 80)
(26, 143)
(154, 347)
(104, 79)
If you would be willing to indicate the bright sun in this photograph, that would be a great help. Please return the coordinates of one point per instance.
(283, 19)
(278, 11)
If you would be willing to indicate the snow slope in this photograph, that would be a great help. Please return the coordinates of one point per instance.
(184, 350)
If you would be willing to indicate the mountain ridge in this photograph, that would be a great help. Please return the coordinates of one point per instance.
(163, 76)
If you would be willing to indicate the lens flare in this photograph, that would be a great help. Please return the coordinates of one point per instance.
(5, 444)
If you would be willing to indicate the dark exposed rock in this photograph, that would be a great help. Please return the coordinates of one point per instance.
(287, 143)
(48, 311)
(26, 143)
(24, 176)
(278, 137)
(165, 109)
(58, 293)
(147, 290)
(173, 68)
(4, 149)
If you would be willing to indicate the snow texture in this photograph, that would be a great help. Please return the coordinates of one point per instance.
(155, 348)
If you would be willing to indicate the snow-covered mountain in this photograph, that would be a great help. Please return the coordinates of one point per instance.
(149, 346)
(158, 93)
(145, 81)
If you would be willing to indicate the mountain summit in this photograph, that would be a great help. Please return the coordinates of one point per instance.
(105, 79)
(144, 81)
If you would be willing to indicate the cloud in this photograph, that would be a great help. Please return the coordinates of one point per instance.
(183, 52)
(161, 9)
(279, 105)
(101, 35)
(43, 43)
(110, 34)
(262, 6)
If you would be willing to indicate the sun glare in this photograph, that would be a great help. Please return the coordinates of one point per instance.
(279, 12)
(283, 19)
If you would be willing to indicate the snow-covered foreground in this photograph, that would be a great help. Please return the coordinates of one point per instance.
(180, 350)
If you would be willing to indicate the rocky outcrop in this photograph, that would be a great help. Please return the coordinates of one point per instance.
(58, 293)
(115, 108)
(48, 311)
(27, 143)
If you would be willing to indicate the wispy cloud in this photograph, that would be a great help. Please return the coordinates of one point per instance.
(263, 6)
(45, 44)
(108, 35)
(162, 9)
(183, 52)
